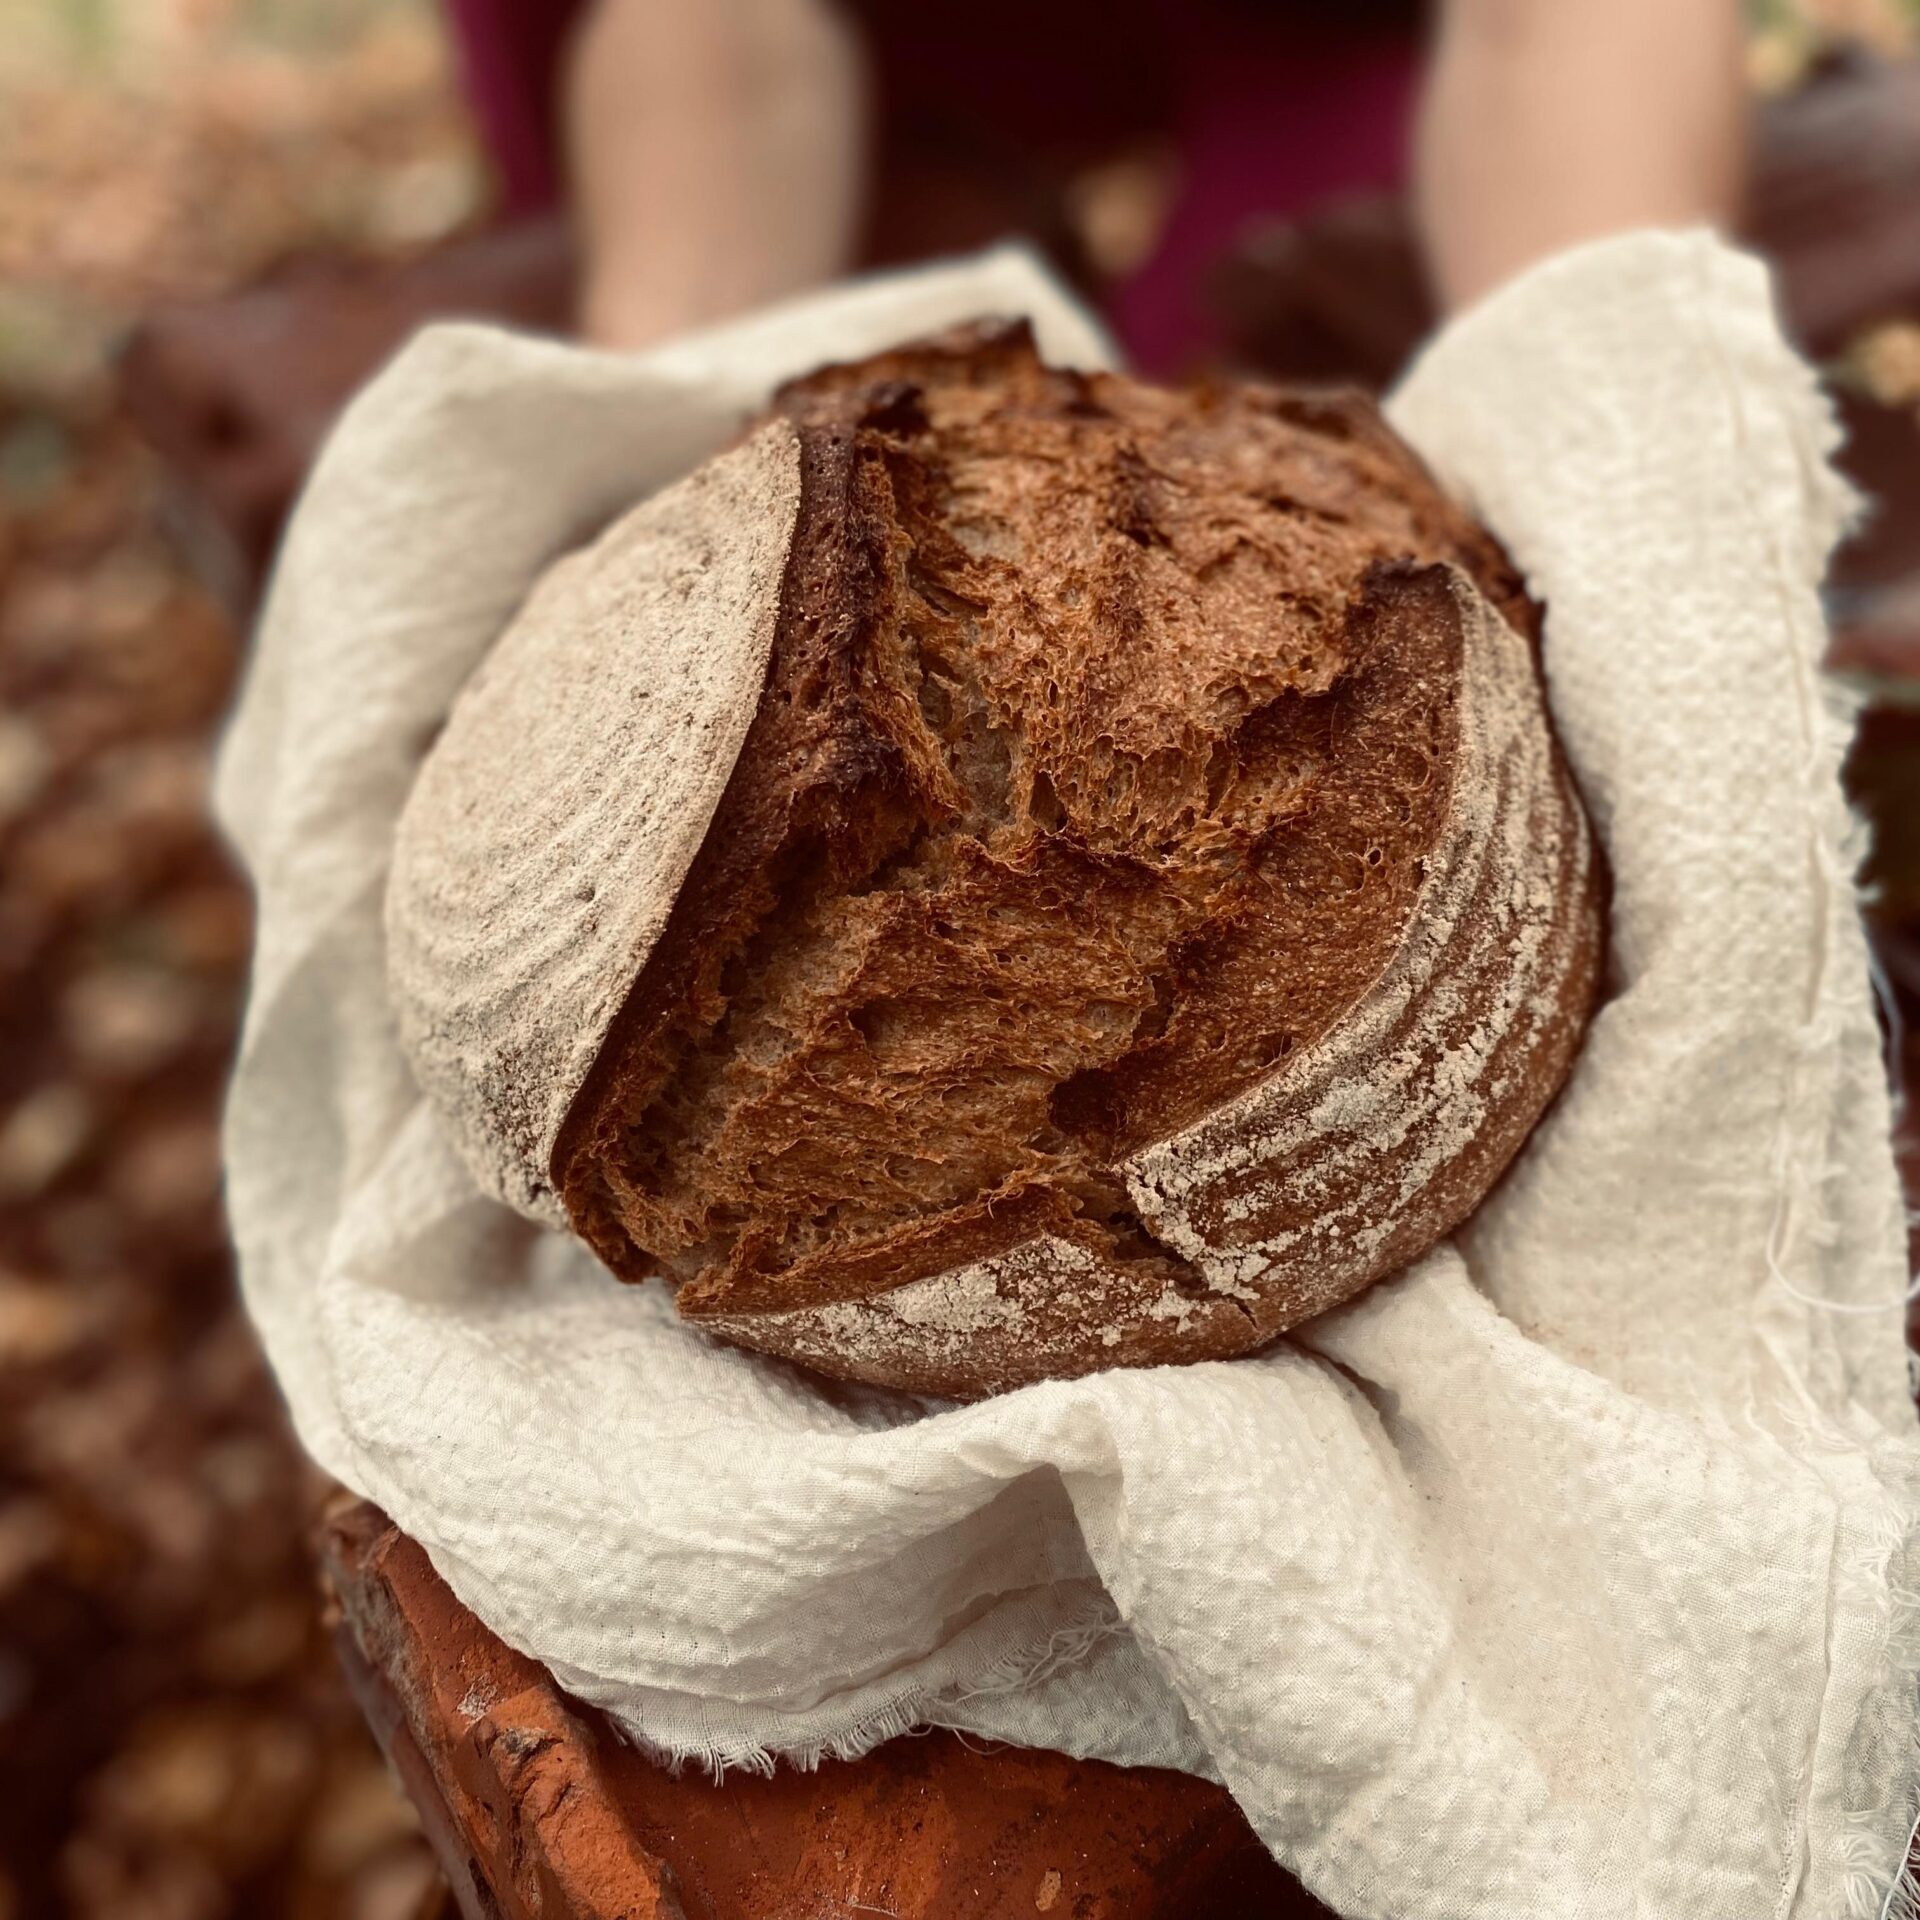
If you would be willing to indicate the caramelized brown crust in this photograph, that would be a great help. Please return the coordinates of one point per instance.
(1107, 740)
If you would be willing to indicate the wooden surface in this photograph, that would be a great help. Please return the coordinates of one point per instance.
(537, 1808)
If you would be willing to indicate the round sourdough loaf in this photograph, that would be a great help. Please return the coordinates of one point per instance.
(1004, 873)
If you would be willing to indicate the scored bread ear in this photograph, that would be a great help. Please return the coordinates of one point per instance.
(556, 815)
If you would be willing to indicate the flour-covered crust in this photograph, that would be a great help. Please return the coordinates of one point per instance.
(1130, 899)
(556, 815)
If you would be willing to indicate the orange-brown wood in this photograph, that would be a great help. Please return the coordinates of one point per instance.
(538, 1809)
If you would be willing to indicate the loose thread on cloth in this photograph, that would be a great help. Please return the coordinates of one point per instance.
(1828, 713)
(1868, 1891)
(1824, 1032)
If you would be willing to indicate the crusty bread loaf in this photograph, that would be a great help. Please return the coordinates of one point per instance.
(1090, 880)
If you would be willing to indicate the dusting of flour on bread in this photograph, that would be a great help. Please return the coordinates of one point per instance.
(1045, 1290)
(1283, 1185)
(532, 868)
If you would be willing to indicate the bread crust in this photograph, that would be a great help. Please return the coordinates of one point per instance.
(532, 873)
(1318, 886)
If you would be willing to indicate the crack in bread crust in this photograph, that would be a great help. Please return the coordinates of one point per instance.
(1333, 1171)
(1118, 754)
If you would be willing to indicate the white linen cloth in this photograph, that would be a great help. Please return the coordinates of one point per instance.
(1570, 1574)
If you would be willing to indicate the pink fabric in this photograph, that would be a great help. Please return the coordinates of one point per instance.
(1270, 108)
(1263, 133)
(509, 52)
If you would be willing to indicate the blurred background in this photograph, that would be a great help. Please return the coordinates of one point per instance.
(216, 217)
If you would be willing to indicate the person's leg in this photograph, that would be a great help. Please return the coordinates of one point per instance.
(1552, 121)
(716, 155)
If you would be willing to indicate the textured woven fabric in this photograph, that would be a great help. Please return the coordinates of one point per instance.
(1568, 1574)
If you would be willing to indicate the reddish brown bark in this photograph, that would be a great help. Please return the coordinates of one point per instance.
(537, 1808)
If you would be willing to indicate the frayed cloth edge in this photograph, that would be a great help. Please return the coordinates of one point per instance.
(935, 1711)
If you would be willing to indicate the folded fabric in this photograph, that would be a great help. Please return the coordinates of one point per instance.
(1568, 1574)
